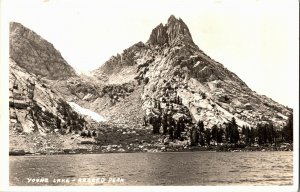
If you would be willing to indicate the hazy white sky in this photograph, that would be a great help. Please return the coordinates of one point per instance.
(256, 39)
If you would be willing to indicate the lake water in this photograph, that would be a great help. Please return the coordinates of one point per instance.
(184, 168)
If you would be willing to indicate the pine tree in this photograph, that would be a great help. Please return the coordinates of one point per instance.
(288, 130)
(175, 132)
(201, 139)
(155, 104)
(178, 128)
(171, 132)
(270, 133)
(194, 137)
(89, 133)
(235, 135)
(176, 100)
(214, 133)
(220, 135)
(228, 132)
(200, 125)
(247, 135)
(179, 101)
(233, 131)
(154, 124)
(159, 122)
(94, 134)
(83, 134)
(243, 130)
(58, 123)
(164, 124)
(265, 135)
(261, 134)
(145, 120)
(252, 136)
(182, 124)
(207, 136)
(159, 106)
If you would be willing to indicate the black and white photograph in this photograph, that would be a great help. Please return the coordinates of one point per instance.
(173, 94)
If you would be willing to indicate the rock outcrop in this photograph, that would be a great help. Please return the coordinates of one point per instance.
(173, 33)
(34, 107)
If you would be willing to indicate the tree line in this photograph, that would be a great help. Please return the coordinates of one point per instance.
(262, 134)
(229, 133)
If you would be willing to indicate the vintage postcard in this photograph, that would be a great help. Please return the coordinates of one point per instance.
(131, 95)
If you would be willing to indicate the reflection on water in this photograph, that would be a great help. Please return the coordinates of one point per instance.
(184, 168)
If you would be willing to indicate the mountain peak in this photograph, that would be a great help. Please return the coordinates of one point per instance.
(13, 25)
(173, 33)
(172, 18)
(35, 54)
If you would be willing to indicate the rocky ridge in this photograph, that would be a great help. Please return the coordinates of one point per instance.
(37, 55)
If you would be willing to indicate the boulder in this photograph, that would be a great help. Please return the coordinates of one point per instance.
(20, 104)
(17, 152)
(248, 106)
(87, 142)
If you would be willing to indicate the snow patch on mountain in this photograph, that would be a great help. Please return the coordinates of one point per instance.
(86, 112)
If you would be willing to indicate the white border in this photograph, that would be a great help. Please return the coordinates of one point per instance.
(4, 134)
(4, 99)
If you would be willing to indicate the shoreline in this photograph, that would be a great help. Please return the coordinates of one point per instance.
(21, 152)
(135, 142)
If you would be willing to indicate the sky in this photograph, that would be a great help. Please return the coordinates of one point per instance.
(256, 39)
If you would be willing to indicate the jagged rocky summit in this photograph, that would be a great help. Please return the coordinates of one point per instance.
(170, 67)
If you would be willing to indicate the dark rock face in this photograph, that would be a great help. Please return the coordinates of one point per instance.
(159, 35)
(177, 31)
(174, 32)
(37, 55)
